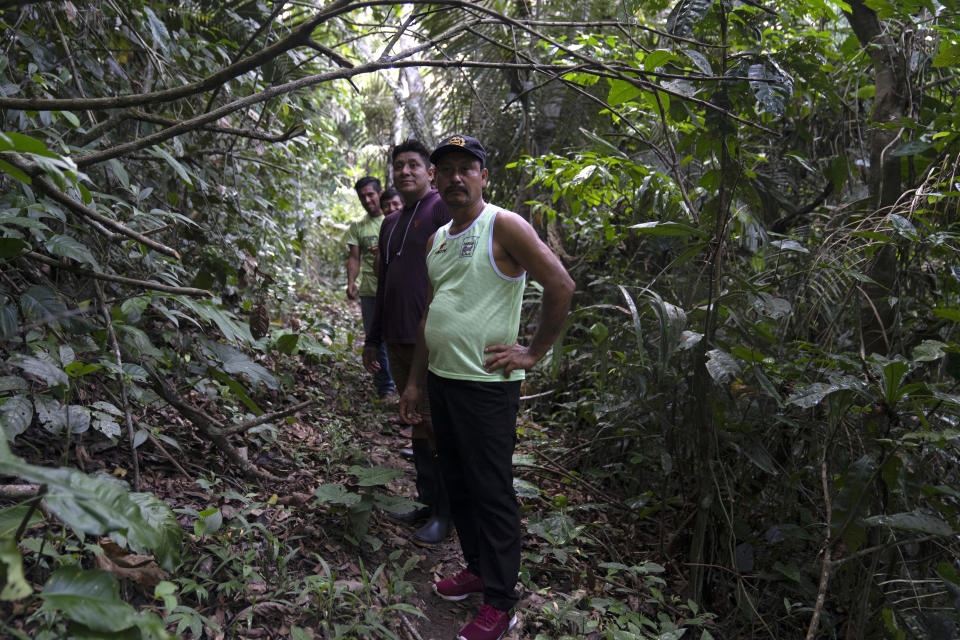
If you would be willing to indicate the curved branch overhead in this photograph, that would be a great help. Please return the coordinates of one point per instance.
(760, 215)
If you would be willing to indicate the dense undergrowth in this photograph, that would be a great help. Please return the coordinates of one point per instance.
(748, 428)
(306, 556)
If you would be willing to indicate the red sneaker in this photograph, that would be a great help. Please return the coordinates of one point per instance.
(490, 624)
(459, 586)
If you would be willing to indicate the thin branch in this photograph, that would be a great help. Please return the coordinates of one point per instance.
(208, 425)
(34, 504)
(256, 98)
(330, 53)
(296, 38)
(827, 550)
(210, 152)
(393, 41)
(131, 435)
(294, 131)
(881, 547)
(146, 284)
(101, 128)
(674, 161)
(615, 23)
(267, 417)
(164, 451)
(278, 8)
(42, 185)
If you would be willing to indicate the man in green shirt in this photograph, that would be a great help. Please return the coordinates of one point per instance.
(361, 240)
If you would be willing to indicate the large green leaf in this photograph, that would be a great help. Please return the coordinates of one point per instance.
(16, 414)
(721, 366)
(11, 141)
(49, 373)
(12, 517)
(57, 417)
(67, 247)
(235, 361)
(8, 321)
(12, 247)
(181, 170)
(622, 91)
(912, 521)
(232, 330)
(813, 394)
(395, 504)
(137, 342)
(101, 505)
(236, 388)
(335, 494)
(15, 172)
(771, 85)
(669, 229)
(558, 529)
(374, 476)
(92, 598)
(686, 14)
(42, 305)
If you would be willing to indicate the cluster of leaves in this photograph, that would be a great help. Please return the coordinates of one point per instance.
(761, 366)
(131, 258)
(720, 365)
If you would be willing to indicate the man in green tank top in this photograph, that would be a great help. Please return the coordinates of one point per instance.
(477, 265)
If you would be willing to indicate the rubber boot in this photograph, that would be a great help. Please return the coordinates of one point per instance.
(431, 492)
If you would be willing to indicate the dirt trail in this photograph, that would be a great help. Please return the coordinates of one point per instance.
(443, 619)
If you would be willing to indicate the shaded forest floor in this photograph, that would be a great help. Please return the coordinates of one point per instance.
(314, 556)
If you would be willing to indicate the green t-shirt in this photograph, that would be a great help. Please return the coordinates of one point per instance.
(364, 233)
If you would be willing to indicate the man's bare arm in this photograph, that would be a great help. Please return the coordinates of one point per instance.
(353, 270)
(521, 243)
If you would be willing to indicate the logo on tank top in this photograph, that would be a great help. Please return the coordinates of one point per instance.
(469, 246)
(441, 249)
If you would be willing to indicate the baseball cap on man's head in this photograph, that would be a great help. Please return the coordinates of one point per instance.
(463, 143)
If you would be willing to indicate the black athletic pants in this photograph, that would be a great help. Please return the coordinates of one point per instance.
(476, 430)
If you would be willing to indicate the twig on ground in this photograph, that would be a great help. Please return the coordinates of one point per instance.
(267, 417)
(18, 491)
(208, 425)
(164, 451)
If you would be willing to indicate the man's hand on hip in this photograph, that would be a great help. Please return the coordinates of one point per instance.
(509, 358)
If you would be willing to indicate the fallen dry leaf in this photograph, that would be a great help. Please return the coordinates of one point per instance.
(138, 568)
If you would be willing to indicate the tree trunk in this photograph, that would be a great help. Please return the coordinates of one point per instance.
(890, 103)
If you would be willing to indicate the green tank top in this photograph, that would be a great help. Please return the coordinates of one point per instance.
(474, 305)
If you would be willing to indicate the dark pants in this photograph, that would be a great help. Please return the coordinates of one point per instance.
(430, 486)
(476, 429)
(381, 379)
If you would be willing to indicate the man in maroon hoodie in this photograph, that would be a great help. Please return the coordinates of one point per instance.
(400, 303)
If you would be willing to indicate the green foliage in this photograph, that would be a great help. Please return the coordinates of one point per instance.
(91, 599)
(713, 368)
(335, 603)
(359, 504)
(718, 378)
